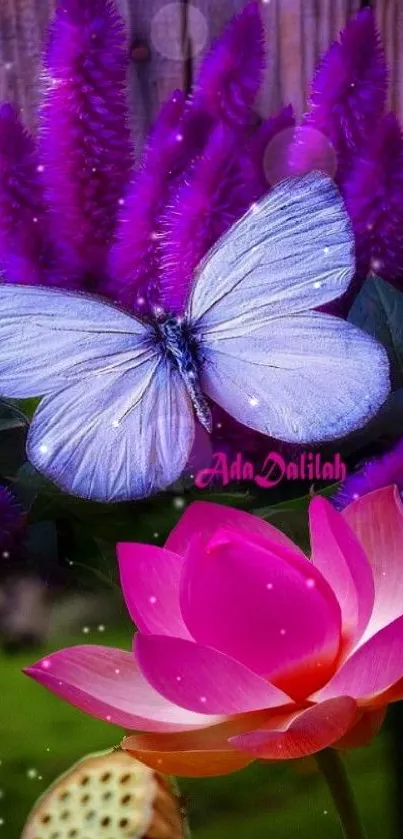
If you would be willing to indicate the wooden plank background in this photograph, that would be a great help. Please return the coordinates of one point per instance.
(297, 32)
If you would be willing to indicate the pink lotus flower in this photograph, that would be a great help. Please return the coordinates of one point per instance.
(246, 648)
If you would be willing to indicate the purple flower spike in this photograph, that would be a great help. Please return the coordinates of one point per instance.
(268, 158)
(374, 197)
(133, 263)
(376, 474)
(85, 140)
(349, 90)
(217, 192)
(232, 73)
(21, 209)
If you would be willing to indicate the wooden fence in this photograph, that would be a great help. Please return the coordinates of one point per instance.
(298, 31)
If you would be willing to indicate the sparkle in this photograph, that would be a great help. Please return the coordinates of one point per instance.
(179, 138)
(40, 168)
(179, 503)
(46, 664)
(108, 718)
(219, 425)
(32, 773)
(116, 423)
(121, 201)
(6, 554)
(86, 630)
(156, 535)
(1, 822)
(141, 301)
(203, 699)
(282, 631)
(355, 496)
(93, 169)
(43, 449)
(35, 220)
(269, 586)
(254, 207)
(318, 284)
(8, 65)
(101, 627)
(117, 671)
(152, 600)
(253, 402)
(310, 583)
(326, 250)
(179, 678)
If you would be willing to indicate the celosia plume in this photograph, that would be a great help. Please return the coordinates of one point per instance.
(231, 75)
(348, 93)
(377, 473)
(22, 216)
(374, 198)
(85, 144)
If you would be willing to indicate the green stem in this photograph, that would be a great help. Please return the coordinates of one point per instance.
(332, 769)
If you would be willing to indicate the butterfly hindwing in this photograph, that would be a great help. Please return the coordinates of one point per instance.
(310, 378)
(115, 437)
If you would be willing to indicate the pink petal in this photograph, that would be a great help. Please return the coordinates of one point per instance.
(377, 521)
(205, 517)
(301, 734)
(106, 683)
(363, 731)
(264, 604)
(202, 679)
(373, 668)
(150, 579)
(338, 555)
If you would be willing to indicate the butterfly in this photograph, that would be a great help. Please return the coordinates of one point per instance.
(121, 395)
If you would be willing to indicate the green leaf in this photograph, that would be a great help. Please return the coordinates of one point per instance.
(378, 310)
(291, 517)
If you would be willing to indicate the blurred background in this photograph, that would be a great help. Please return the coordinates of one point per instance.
(58, 583)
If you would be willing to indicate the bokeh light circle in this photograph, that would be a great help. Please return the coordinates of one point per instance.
(296, 151)
(167, 23)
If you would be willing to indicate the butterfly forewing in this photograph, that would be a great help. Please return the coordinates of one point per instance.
(50, 338)
(291, 252)
(265, 357)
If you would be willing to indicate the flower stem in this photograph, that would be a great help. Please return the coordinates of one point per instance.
(332, 769)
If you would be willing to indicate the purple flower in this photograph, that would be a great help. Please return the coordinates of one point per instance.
(11, 517)
(374, 197)
(375, 474)
(348, 93)
(232, 73)
(22, 215)
(85, 144)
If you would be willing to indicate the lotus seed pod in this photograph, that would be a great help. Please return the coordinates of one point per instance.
(108, 796)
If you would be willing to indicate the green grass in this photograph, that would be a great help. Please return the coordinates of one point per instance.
(266, 801)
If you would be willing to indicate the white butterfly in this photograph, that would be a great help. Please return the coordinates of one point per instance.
(117, 420)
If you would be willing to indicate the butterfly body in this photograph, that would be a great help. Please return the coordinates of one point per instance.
(180, 346)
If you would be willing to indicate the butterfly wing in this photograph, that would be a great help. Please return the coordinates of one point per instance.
(308, 378)
(271, 363)
(116, 422)
(115, 437)
(51, 338)
(291, 252)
